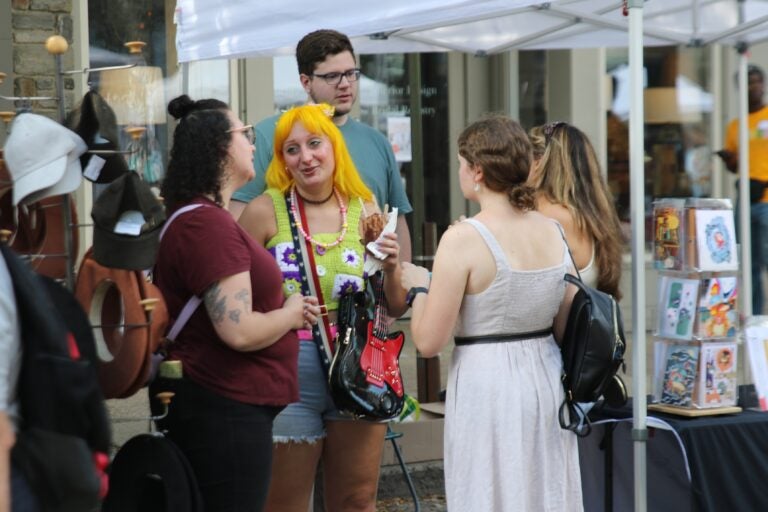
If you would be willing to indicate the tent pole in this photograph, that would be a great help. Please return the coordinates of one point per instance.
(745, 217)
(637, 205)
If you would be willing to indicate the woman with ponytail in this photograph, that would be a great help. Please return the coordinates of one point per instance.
(497, 286)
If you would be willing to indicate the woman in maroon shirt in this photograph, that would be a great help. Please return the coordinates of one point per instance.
(238, 352)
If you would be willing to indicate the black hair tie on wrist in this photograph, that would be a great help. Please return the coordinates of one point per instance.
(413, 292)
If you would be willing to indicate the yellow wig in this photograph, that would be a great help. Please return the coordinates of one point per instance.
(315, 119)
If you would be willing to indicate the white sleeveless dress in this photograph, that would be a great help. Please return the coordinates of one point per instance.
(504, 448)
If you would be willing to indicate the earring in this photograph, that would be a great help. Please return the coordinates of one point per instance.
(476, 188)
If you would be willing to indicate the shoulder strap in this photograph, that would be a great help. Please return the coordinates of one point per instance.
(490, 241)
(194, 301)
(568, 247)
(310, 285)
(183, 209)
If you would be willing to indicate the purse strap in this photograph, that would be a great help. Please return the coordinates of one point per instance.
(310, 285)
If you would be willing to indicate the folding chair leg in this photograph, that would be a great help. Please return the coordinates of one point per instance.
(392, 436)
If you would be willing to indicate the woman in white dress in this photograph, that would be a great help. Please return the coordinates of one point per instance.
(497, 286)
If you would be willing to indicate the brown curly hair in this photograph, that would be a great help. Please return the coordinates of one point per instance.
(569, 175)
(200, 150)
(500, 147)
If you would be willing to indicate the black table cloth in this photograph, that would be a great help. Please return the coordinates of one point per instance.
(727, 456)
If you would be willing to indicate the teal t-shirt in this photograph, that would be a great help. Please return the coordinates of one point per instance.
(369, 149)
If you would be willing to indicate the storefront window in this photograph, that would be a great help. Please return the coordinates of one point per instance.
(678, 110)
(386, 105)
(532, 87)
(139, 96)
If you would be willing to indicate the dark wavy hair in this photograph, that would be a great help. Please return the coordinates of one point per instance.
(569, 175)
(501, 148)
(316, 46)
(200, 150)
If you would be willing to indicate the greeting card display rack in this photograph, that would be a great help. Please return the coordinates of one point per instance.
(696, 335)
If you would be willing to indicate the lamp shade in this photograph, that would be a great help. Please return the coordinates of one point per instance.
(662, 106)
(135, 94)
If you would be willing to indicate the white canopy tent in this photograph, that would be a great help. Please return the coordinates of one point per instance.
(220, 28)
(209, 29)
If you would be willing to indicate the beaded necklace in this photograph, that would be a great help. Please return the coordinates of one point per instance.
(320, 247)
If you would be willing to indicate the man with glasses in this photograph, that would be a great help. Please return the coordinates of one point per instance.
(329, 74)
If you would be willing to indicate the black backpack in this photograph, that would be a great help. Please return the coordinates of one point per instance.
(64, 434)
(593, 349)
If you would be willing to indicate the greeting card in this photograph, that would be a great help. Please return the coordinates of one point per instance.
(717, 374)
(680, 375)
(667, 215)
(716, 240)
(677, 307)
(718, 317)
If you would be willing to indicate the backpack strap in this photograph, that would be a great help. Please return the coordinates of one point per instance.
(575, 414)
(194, 301)
(573, 410)
(568, 248)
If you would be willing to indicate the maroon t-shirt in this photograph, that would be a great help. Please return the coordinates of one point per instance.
(199, 248)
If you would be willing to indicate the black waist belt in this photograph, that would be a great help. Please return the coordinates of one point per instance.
(501, 338)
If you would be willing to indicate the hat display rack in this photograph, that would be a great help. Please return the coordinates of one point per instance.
(57, 46)
(127, 313)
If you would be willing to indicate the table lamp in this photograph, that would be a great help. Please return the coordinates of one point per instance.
(137, 97)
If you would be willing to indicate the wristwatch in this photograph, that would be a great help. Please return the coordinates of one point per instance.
(413, 292)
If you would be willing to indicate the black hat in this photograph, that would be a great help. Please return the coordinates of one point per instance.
(150, 473)
(95, 121)
(127, 219)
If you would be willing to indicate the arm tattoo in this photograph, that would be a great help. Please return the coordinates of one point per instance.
(215, 303)
(244, 297)
(234, 315)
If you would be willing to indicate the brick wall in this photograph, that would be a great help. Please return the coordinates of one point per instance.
(32, 22)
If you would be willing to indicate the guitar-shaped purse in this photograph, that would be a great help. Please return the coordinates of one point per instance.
(365, 378)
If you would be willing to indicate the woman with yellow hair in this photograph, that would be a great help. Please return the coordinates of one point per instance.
(313, 183)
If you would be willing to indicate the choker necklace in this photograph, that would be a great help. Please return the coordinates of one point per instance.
(312, 201)
(320, 247)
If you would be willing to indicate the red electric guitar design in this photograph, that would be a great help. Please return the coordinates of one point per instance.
(365, 374)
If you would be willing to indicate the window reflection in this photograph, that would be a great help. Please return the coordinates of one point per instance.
(137, 100)
(678, 109)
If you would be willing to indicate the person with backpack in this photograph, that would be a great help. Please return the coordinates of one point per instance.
(571, 190)
(52, 414)
(238, 350)
(497, 286)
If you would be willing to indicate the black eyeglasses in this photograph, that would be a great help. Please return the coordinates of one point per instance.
(334, 78)
(246, 130)
(549, 129)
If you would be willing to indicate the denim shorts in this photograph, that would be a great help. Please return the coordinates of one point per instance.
(304, 421)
